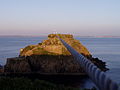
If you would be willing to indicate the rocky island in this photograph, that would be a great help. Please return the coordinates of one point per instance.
(47, 66)
(51, 57)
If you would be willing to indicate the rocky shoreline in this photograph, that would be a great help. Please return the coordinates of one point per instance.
(49, 61)
(50, 56)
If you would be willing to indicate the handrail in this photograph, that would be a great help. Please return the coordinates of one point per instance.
(102, 81)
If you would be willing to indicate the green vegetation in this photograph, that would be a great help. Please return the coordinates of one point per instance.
(40, 50)
(7, 83)
(65, 51)
(30, 47)
(27, 84)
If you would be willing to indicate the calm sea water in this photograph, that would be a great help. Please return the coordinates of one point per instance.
(106, 49)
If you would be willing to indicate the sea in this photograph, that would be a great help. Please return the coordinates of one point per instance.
(106, 49)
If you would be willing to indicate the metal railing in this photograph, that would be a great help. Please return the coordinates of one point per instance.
(102, 81)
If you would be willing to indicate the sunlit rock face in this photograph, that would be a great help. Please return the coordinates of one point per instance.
(53, 46)
(50, 56)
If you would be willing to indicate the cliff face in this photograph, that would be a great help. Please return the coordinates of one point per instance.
(44, 64)
(17, 64)
(51, 56)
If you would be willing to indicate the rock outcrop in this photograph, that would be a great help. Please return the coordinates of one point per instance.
(53, 46)
(51, 56)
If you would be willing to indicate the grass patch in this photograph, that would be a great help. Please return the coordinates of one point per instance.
(30, 47)
(7, 83)
(39, 51)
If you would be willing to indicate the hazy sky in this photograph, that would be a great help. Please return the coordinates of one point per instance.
(79, 17)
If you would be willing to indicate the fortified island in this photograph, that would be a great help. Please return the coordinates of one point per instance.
(51, 57)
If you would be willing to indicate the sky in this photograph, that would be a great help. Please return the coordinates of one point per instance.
(78, 17)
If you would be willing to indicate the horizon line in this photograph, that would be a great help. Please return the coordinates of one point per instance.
(97, 36)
